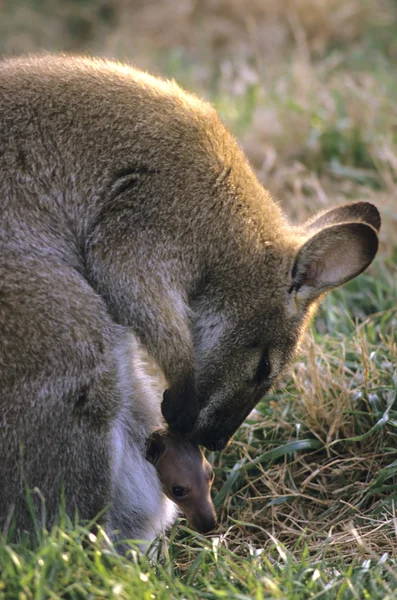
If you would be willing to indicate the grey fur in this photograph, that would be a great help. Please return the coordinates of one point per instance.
(127, 206)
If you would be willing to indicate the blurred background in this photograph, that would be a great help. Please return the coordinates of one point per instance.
(307, 86)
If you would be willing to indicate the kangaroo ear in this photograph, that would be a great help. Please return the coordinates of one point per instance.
(155, 447)
(331, 257)
(355, 212)
(179, 406)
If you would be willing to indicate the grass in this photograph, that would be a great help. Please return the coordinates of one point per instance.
(63, 564)
(307, 492)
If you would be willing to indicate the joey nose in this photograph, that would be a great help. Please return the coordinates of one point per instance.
(204, 524)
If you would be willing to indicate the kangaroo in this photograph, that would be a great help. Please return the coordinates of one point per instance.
(186, 477)
(128, 208)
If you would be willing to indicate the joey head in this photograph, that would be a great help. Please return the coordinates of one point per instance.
(186, 477)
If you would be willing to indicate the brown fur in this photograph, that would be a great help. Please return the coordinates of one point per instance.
(127, 205)
(182, 467)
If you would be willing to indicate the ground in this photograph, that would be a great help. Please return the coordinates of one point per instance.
(306, 492)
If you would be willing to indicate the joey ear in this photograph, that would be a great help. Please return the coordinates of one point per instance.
(155, 447)
(180, 407)
(355, 212)
(333, 256)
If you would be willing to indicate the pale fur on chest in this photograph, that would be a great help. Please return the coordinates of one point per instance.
(139, 508)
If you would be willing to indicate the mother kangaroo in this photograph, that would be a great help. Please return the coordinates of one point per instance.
(128, 208)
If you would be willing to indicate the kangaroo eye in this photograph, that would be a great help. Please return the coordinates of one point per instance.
(178, 491)
(264, 368)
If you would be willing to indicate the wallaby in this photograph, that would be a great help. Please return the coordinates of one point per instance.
(186, 477)
(126, 206)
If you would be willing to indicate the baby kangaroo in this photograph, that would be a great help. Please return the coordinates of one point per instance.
(186, 476)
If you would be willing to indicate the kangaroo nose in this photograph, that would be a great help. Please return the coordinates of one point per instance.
(218, 444)
(210, 439)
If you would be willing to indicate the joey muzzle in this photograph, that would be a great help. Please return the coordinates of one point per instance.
(204, 523)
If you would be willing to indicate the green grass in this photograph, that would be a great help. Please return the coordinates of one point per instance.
(306, 493)
(62, 564)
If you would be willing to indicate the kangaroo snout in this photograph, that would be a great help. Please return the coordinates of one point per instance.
(211, 442)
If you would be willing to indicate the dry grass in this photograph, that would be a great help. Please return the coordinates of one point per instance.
(335, 497)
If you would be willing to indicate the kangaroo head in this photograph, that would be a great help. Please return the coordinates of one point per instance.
(247, 323)
(186, 477)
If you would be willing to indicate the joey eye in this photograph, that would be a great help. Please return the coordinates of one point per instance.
(178, 491)
(264, 368)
